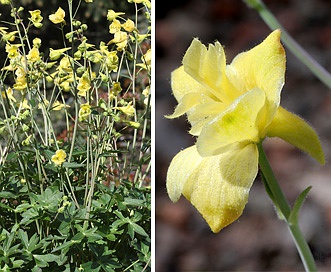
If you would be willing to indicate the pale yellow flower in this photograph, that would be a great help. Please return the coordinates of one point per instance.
(115, 26)
(12, 50)
(120, 39)
(36, 18)
(20, 80)
(232, 108)
(33, 55)
(58, 16)
(127, 110)
(84, 84)
(55, 54)
(8, 94)
(128, 25)
(111, 14)
(59, 157)
(57, 105)
(84, 112)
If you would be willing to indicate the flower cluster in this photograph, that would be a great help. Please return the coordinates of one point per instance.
(232, 108)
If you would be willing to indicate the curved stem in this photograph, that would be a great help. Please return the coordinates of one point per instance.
(280, 202)
(319, 71)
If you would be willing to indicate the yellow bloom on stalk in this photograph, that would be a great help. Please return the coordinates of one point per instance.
(8, 36)
(20, 80)
(8, 94)
(111, 14)
(84, 85)
(231, 109)
(57, 105)
(84, 111)
(36, 18)
(121, 40)
(55, 54)
(128, 25)
(115, 26)
(58, 16)
(33, 55)
(128, 109)
(146, 60)
(59, 157)
(12, 50)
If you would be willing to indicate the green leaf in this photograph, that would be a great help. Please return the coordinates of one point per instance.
(5, 194)
(138, 229)
(294, 215)
(43, 260)
(133, 202)
(72, 165)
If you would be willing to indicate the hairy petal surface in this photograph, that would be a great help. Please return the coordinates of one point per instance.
(236, 127)
(207, 66)
(297, 132)
(217, 186)
(181, 168)
(261, 67)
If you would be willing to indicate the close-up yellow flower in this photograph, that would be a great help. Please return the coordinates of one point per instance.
(36, 18)
(84, 84)
(12, 50)
(120, 39)
(128, 25)
(55, 54)
(128, 109)
(8, 94)
(59, 157)
(33, 55)
(231, 108)
(115, 26)
(111, 14)
(84, 111)
(58, 16)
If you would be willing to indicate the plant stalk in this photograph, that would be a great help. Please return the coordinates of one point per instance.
(280, 201)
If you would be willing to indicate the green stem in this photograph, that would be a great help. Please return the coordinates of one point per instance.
(280, 201)
(319, 71)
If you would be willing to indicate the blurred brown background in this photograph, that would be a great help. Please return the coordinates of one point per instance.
(258, 241)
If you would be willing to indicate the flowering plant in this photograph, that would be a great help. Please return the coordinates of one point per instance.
(74, 142)
(232, 109)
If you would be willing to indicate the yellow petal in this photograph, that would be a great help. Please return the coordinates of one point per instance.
(182, 84)
(180, 169)
(239, 125)
(261, 67)
(297, 132)
(217, 186)
(207, 66)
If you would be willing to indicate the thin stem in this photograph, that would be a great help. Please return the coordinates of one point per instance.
(280, 201)
(319, 71)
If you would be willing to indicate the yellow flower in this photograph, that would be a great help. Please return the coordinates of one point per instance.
(12, 50)
(121, 40)
(8, 36)
(58, 16)
(84, 111)
(55, 54)
(20, 80)
(8, 94)
(33, 55)
(115, 26)
(128, 25)
(111, 14)
(128, 109)
(146, 60)
(36, 18)
(84, 85)
(59, 157)
(231, 109)
(57, 105)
